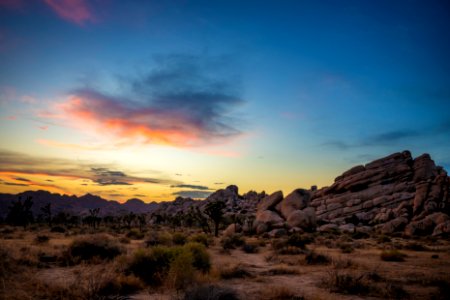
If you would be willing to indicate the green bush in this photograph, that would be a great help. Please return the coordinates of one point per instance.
(181, 271)
(153, 265)
(201, 257)
(200, 238)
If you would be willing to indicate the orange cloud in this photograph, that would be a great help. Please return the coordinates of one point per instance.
(134, 124)
(75, 11)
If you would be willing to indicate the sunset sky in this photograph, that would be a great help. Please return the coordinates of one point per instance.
(155, 99)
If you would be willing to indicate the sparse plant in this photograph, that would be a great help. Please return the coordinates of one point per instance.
(200, 238)
(210, 292)
(314, 258)
(135, 234)
(237, 271)
(392, 255)
(279, 293)
(41, 239)
(250, 248)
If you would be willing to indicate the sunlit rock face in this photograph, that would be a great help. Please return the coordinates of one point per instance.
(394, 193)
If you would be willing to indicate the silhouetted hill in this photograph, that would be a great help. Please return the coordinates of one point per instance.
(77, 205)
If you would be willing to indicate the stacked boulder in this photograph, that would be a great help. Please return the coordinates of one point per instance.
(394, 193)
(276, 213)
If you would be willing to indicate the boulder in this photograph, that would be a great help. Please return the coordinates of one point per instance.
(394, 225)
(350, 228)
(328, 227)
(297, 200)
(269, 202)
(276, 233)
(232, 229)
(268, 217)
(304, 219)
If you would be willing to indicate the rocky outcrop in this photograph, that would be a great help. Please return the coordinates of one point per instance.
(275, 214)
(391, 194)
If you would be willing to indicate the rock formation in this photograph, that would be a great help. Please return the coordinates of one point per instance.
(394, 193)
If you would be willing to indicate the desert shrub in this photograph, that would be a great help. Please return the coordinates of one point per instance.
(250, 248)
(58, 229)
(121, 285)
(41, 239)
(383, 239)
(392, 255)
(415, 247)
(135, 234)
(345, 283)
(357, 235)
(179, 238)
(153, 265)
(343, 263)
(281, 271)
(99, 246)
(181, 271)
(231, 242)
(299, 240)
(393, 291)
(346, 248)
(279, 293)
(124, 240)
(314, 258)
(237, 271)
(201, 259)
(210, 292)
(200, 238)
(159, 238)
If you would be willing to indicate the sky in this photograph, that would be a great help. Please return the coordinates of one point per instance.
(159, 99)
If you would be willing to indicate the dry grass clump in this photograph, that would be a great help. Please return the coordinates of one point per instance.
(392, 255)
(41, 239)
(159, 238)
(279, 293)
(200, 238)
(250, 248)
(362, 284)
(281, 270)
(236, 271)
(314, 258)
(135, 234)
(210, 292)
(231, 242)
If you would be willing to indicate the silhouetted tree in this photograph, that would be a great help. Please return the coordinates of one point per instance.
(93, 218)
(129, 219)
(142, 219)
(215, 210)
(47, 213)
(20, 213)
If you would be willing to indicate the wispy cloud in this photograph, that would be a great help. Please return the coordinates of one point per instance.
(75, 11)
(183, 101)
(192, 194)
(190, 186)
(14, 164)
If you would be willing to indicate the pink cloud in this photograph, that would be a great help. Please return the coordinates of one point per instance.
(75, 11)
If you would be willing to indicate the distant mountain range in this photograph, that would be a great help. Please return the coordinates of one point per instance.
(76, 205)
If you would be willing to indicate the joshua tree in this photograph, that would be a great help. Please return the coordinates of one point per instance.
(20, 213)
(129, 219)
(214, 210)
(93, 219)
(142, 218)
(47, 213)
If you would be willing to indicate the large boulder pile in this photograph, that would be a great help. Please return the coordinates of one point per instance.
(394, 193)
(292, 212)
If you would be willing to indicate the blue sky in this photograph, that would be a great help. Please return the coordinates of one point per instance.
(263, 94)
